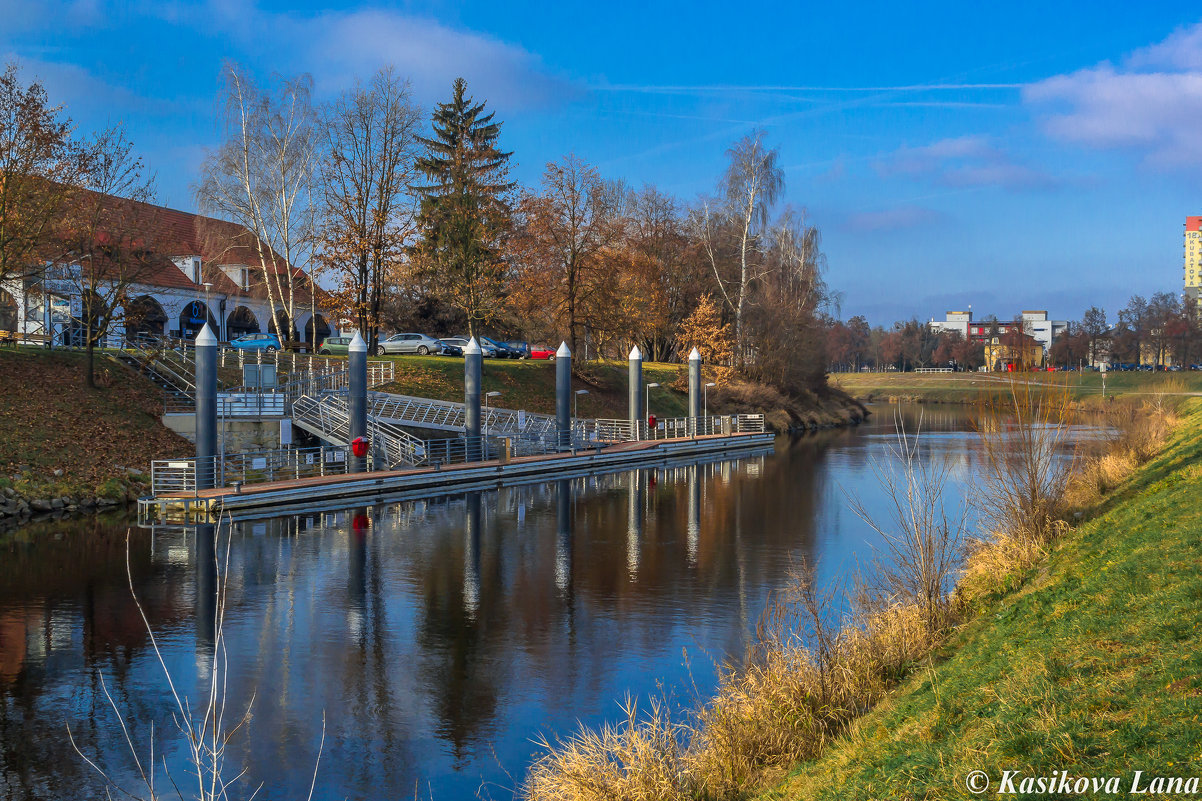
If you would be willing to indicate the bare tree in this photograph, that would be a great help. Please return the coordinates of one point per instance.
(751, 185)
(923, 543)
(106, 237)
(40, 165)
(371, 147)
(262, 178)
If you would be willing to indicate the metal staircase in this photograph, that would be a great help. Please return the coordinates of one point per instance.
(170, 369)
(327, 417)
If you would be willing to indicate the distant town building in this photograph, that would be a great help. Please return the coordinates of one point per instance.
(1036, 324)
(1192, 274)
(1013, 351)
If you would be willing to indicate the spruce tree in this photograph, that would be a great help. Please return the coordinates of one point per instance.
(464, 213)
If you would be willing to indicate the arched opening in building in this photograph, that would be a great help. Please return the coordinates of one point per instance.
(8, 312)
(318, 336)
(193, 318)
(144, 317)
(241, 321)
(283, 318)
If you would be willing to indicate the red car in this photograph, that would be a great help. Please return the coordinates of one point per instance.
(542, 353)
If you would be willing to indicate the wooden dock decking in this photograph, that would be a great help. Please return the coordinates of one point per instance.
(366, 488)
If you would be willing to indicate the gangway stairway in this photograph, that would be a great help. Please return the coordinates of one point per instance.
(327, 417)
(170, 369)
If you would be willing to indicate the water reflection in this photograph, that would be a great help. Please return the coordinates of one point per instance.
(438, 637)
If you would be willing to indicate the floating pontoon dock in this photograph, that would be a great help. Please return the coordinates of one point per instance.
(349, 489)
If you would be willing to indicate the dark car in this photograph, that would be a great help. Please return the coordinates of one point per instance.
(522, 349)
(451, 347)
(503, 351)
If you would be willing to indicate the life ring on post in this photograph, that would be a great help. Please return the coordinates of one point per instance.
(359, 447)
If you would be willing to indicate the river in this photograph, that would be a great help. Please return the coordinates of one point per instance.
(439, 639)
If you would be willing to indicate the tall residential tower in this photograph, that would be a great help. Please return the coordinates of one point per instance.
(1192, 274)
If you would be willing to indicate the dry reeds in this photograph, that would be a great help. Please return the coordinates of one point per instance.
(637, 759)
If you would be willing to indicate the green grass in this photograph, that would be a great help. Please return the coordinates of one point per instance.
(968, 387)
(530, 385)
(1092, 667)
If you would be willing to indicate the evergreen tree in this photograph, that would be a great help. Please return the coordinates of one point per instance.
(464, 214)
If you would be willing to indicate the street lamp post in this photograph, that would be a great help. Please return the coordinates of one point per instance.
(705, 396)
(487, 395)
(647, 415)
(575, 402)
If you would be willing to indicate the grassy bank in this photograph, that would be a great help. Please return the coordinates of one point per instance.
(1091, 665)
(1085, 388)
(530, 385)
(99, 441)
(1060, 649)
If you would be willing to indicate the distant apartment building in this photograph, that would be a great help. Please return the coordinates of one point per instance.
(1192, 274)
(1036, 324)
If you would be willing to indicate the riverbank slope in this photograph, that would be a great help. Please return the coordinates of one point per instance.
(63, 441)
(530, 385)
(1085, 388)
(1090, 666)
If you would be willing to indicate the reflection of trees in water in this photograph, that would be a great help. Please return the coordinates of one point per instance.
(66, 611)
(428, 619)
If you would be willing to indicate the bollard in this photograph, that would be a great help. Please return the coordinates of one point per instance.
(563, 396)
(206, 408)
(636, 391)
(473, 377)
(694, 389)
(357, 398)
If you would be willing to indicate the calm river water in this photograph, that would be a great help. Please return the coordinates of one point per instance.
(438, 638)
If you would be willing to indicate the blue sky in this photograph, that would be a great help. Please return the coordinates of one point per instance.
(1010, 157)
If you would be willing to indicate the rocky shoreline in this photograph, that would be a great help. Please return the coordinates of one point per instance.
(17, 510)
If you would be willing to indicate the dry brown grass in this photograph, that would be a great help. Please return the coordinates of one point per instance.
(637, 759)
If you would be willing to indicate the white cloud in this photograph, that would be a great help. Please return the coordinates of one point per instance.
(962, 162)
(1151, 103)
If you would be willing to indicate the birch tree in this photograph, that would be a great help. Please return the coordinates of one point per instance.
(262, 178)
(750, 187)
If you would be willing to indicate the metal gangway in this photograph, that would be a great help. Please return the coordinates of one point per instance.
(328, 417)
(451, 416)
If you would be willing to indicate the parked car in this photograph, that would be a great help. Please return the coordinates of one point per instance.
(461, 342)
(539, 352)
(267, 342)
(335, 346)
(522, 349)
(450, 347)
(409, 343)
(502, 352)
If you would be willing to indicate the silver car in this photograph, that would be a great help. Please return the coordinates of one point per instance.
(410, 343)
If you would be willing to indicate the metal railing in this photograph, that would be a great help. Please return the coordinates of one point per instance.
(452, 416)
(670, 428)
(178, 477)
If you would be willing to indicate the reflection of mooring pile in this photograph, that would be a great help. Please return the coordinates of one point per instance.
(368, 450)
